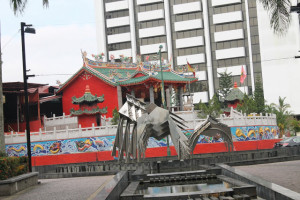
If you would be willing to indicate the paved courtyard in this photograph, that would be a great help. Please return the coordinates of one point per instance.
(285, 174)
(63, 189)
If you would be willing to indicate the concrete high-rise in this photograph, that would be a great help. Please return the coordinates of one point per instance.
(212, 35)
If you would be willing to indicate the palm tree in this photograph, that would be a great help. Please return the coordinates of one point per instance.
(18, 6)
(282, 114)
(279, 11)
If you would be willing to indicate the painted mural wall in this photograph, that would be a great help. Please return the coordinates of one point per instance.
(105, 143)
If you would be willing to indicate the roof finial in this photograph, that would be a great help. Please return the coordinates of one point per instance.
(87, 89)
(235, 85)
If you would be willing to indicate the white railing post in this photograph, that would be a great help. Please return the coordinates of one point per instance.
(93, 129)
(11, 136)
(80, 130)
(54, 132)
(67, 131)
(40, 133)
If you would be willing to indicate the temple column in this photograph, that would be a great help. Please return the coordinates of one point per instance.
(180, 89)
(170, 92)
(151, 91)
(168, 98)
(119, 93)
(132, 93)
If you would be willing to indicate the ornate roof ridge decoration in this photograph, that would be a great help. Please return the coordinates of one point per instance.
(102, 76)
(89, 112)
(88, 97)
(235, 94)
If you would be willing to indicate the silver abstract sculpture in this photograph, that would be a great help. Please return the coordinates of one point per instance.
(144, 121)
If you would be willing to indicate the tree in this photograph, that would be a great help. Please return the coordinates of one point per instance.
(248, 105)
(212, 108)
(279, 14)
(282, 114)
(18, 6)
(259, 96)
(225, 84)
(116, 117)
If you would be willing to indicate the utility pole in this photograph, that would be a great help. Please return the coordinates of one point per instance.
(2, 138)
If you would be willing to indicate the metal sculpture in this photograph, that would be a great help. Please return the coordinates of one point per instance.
(144, 121)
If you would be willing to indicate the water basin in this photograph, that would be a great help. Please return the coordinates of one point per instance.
(186, 186)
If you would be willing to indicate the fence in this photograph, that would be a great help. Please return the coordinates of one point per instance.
(190, 117)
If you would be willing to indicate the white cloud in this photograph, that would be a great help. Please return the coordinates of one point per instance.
(52, 50)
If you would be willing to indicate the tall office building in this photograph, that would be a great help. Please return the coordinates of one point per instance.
(213, 36)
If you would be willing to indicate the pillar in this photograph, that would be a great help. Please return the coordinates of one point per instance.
(180, 89)
(132, 93)
(168, 98)
(151, 91)
(119, 94)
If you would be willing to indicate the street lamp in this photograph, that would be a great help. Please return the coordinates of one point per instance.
(163, 95)
(28, 29)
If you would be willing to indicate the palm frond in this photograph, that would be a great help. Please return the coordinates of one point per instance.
(18, 6)
(279, 11)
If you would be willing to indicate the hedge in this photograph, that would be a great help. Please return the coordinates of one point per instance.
(12, 166)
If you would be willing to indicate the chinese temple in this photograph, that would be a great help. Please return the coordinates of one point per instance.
(113, 80)
(233, 98)
(89, 111)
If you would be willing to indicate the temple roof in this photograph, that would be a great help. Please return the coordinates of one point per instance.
(88, 97)
(235, 94)
(125, 74)
(89, 112)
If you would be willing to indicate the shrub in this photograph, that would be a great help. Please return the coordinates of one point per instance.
(12, 166)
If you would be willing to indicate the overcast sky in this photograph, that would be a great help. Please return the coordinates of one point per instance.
(66, 27)
(62, 30)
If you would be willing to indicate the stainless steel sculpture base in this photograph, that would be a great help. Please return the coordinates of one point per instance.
(143, 121)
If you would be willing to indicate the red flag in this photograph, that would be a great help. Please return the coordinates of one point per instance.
(243, 75)
(191, 69)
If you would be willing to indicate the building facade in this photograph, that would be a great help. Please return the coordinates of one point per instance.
(213, 36)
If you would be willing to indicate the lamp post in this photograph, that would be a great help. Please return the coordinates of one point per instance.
(25, 77)
(163, 94)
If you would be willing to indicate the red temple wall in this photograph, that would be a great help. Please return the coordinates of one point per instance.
(87, 120)
(77, 88)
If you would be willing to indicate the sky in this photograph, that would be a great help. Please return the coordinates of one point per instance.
(65, 28)
(54, 52)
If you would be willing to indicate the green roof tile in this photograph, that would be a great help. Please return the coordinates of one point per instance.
(235, 94)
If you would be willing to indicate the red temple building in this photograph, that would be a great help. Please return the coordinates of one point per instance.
(89, 111)
(234, 97)
(113, 81)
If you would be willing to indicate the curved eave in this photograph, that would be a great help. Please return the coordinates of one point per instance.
(88, 112)
(156, 80)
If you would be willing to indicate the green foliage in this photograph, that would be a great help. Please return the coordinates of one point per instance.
(225, 84)
(259, 96)
(294, 124)
(18, 6)
(279, 13)
(282, 114)
(116, 117)
(248, 106)
(212, 108)
(12, 166)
